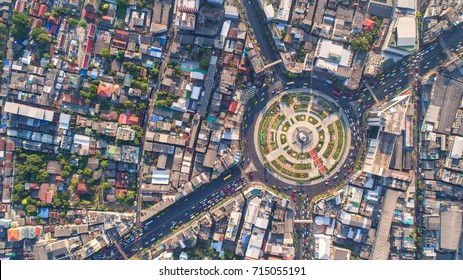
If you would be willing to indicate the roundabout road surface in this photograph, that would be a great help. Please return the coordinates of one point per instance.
(340, 114)
(253, 163)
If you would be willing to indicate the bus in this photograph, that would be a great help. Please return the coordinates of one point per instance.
(335, 92)
(227, 177)
(290, 83)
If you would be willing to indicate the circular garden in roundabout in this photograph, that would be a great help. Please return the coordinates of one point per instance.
(303, 138)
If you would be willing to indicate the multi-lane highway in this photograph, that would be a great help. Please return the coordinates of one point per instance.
(173, 217)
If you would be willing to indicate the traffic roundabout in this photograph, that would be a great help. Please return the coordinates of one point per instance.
(302, 137)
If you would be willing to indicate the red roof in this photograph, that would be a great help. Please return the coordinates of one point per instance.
(19, 6)
(322, 169)
(13, 234)
(42, 11)
(62, 40)
(88, 46)
(91, 30)
(64, 25)
(90, 15)
(104, 90)
(123, 119)
(121, 35)
(133, 120)
(120, 44)
(48, 196)
(369, 24)
(85, 61)
(106, 19)
(121, 192)
(82, 188)
(232, 107)
(37, 232)
(232, 33)
(53, 29)
(53, 20)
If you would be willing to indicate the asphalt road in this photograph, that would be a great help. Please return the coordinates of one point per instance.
(168, 220)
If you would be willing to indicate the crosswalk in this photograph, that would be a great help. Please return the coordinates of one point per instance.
(249, 94)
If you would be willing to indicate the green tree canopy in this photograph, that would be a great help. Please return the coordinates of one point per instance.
(204, 63)
(360, 44)
(105, 53)
(72, 22)
(39, 34)
(20, 26)
(82, 23)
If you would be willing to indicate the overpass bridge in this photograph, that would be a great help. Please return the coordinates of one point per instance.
(272, 64)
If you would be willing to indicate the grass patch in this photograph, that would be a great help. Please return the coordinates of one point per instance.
(302, 166)
(286, 127)
(301, 107)
(301, 117)
(321, 135)
(282, 159)
(328, 150)
(283, 138)
(324, 115)
(303, 98)
(331, 129)
(313, 121)
(279, 119)
(340, 129)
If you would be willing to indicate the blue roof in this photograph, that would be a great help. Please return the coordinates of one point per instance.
(43, 213)
(154, 118)
(6, 62)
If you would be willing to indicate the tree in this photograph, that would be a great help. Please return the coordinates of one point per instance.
(3, 29)
(72, 22)
(39, 34)
(64, 174)
(104, 8)
(360, 44)
(58, 11)
(87, 172)
(106, 185)
(105, 53)
(82, 23)
(127, 104)
(204, 63)
(130, 197)
(123, 3)
(104, 164)
(20, 26)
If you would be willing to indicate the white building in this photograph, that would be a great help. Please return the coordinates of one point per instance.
(269, 12)
(409, 5)
(284, 10)
(457, 148)
(160, 177)
(322, 246)
(231, 12)
(332, 55)
(406, 32)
